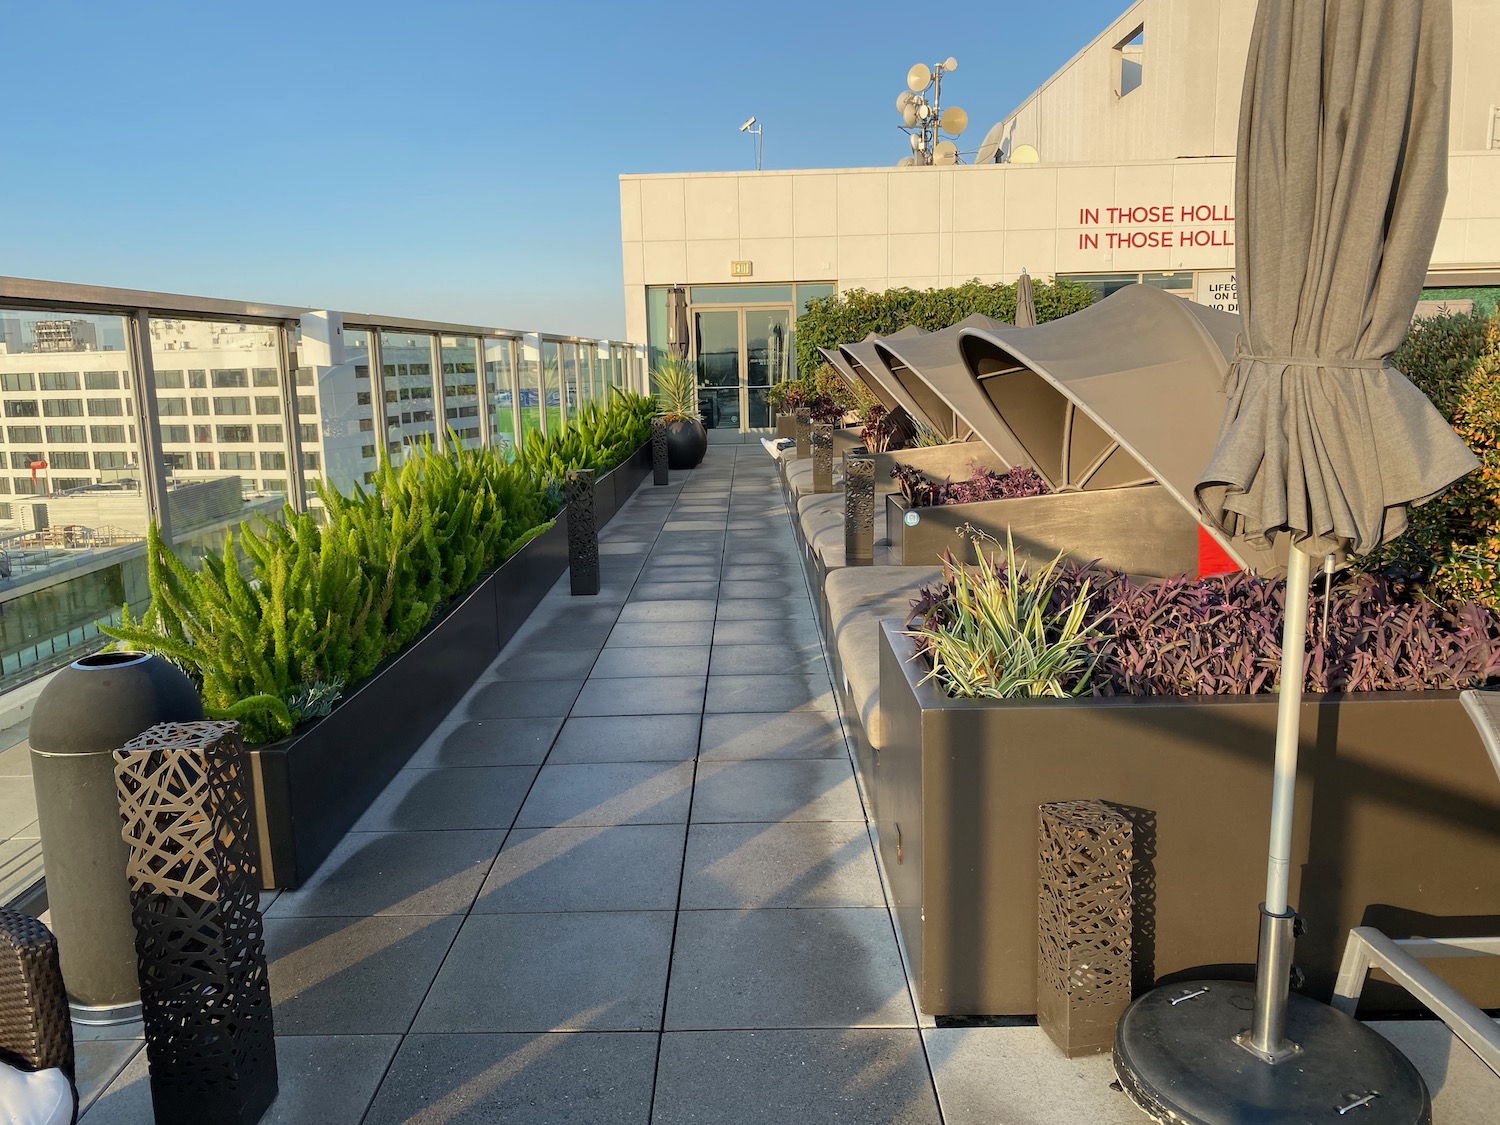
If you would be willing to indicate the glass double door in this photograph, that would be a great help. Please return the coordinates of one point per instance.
(740, 353)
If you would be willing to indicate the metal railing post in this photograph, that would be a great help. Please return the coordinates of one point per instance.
(286, 360)
(148, 422)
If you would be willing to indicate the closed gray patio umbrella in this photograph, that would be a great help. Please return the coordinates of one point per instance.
(1340, 182)
(1025, 301)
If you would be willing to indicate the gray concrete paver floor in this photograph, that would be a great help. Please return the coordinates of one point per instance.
(659, 903)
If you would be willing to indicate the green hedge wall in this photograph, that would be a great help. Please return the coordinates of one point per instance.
(846, 317)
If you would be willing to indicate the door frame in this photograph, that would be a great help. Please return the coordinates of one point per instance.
(743, 357)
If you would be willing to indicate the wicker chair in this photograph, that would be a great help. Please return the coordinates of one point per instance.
(36, 1033)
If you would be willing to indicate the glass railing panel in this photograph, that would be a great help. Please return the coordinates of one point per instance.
(73, 507)
(410, 393)
(570, 376)
(223, 418)
(347, 418)
(533, 389)
(552, 385)
(461, 390)
(499, 391)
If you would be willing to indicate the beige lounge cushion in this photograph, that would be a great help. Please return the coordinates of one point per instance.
(819, 511)
(859, 597)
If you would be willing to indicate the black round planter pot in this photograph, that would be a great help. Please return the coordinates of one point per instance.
(90, 709)
(687, 442)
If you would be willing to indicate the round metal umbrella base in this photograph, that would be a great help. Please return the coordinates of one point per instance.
(1180, 1063)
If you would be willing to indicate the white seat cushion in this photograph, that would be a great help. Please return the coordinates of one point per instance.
(44, 1097)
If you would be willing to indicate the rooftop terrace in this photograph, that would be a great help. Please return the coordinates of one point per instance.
(631, 879)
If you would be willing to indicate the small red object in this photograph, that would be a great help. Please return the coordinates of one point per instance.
(35, 465)
(1212, 558)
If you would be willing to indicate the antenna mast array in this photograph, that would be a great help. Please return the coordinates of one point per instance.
(924, 121)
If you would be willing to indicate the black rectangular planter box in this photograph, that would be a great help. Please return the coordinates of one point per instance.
(311, 787)
(1397, 826)
(1142, 530)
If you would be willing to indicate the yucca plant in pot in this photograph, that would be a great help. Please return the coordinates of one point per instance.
(677, 402)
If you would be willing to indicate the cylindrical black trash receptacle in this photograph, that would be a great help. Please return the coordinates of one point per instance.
(89, 710)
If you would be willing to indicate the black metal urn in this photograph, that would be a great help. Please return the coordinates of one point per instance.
(687, 442)
(90, 709)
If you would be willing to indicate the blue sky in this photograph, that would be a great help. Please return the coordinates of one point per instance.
(442, 159)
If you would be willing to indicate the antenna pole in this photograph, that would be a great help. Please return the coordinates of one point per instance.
(759, 129)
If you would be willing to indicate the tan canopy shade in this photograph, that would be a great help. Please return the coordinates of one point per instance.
(836, 360)
(1125, 392)
(873, 371)
(910, 359)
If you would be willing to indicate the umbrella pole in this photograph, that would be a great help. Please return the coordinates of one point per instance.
(1273, 965)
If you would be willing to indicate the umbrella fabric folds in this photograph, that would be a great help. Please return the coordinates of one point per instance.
(1025, 301)
(677, 322)
(1342, 178)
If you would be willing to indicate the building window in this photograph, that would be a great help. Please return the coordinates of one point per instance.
(236, 461)
(273, 485)
(25, 486)
(267, 404)
(235, 404)
(60, 381)
(311, 461)
(24, 460)
(304, 377)
(21, 408)
(101, 380)
(1128, 59)
(200, 406)
(367, 451)
(270, 462)
(66, 484)
(203, 434)
(24, 435)
(113, 461)
(169, 380)
(271, 435)
(366, 425)
(105, 408)
(172, 407)
(234, 434)
(65, 460)
(265, 376)
(363, 398)
(18, 381)
(107, 435)
(177, 461)
(62, 408)
(4, 491)
(67, 435)
(198, 380)
(232, 378)
(177, 435)
(309, 433)
(204, 460)
(307, 404)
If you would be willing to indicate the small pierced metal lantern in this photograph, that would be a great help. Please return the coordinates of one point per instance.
(583, 533)
(821, 442)
(804, 434)
(184, 791)
(658, 451)
(859, 508)
(1083, 924)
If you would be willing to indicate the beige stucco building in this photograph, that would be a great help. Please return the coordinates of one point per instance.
(1132, 180)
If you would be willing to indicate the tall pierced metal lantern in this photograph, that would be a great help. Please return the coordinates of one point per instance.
(184, 792)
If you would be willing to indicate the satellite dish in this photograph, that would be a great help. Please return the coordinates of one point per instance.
(954, 120)
(903, 99)
(916, 141)
(918, 78)
(950, 64)
(1023, 154)
(945, 152)
(906, 162)
(909, 115)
